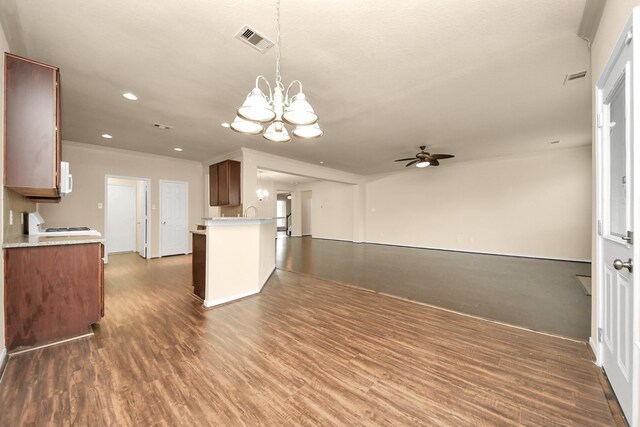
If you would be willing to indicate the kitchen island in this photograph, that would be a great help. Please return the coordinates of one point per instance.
(54, 288)
(239, 257)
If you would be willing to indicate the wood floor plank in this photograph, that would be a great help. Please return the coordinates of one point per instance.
(303, 352)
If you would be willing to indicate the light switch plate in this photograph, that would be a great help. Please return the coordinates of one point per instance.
(99, 205)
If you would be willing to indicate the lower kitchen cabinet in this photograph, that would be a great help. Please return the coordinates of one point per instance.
(52, 292)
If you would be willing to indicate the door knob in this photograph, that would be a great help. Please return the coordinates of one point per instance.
(164, 222)
(619, 265)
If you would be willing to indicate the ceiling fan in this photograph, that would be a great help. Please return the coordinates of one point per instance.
(424, 159)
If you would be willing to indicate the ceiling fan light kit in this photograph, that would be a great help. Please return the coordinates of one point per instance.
(424, 159)
(277, 108)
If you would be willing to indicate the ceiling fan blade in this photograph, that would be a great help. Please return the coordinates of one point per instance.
(434, 162)
(412, 163)
(441, 156)
(405, 160)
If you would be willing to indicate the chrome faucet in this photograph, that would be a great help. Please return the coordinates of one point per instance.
(246, 211)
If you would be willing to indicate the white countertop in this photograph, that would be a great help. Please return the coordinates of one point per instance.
(40, 240)
(235, 220)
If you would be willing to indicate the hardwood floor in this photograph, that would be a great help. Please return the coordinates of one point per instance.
(538, 294)
(303, 352)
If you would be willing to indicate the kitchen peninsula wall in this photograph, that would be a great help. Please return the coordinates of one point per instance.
(90, 163)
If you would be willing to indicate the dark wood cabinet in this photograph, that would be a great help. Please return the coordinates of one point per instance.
(224, 183)
(52, 292)
(199, 264)
(32, 128)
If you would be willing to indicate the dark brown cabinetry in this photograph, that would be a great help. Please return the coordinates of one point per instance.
(199, 264)
(52, 292)
(32, 128)
(224, 183)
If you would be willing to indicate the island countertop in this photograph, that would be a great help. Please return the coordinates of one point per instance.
(25, 241)
(235, 220)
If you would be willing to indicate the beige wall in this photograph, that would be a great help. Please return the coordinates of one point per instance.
(90, 164)
(4, 47)
(533, 205)
(18, 204)
(331, 210)
(615, 15)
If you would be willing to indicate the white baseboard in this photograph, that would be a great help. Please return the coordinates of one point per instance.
(266, 278)
(219, 301)
(594, 348)
(213, 303)
(435, 248)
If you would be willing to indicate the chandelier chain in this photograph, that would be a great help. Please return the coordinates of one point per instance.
(278, 77)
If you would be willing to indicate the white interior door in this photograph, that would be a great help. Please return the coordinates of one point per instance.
(121, 218)
(306, 202)
(174, 232)
(142, 218)
(615, 151)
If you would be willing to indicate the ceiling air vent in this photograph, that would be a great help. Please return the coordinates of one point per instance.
(572, 77)
(163, 127)
(253, 39)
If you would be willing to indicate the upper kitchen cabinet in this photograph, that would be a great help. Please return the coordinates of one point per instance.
(224, 183)
(32, 128)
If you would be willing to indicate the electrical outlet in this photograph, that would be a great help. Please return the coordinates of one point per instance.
(99, 205)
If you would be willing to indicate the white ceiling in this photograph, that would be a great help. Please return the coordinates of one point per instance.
(472, 78)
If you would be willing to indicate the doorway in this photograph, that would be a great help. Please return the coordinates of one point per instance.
(618, 311)
(126, 215)
(306, 200)
(283, 212)
(174, 214)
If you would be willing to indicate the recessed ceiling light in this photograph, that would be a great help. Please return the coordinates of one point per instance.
(225, 125)
(177, 149)
(106, 135)
(321, 162)
(130, 96)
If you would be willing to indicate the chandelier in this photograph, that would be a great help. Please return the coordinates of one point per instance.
(278, 108)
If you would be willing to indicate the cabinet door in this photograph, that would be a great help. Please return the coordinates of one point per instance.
(213, 185)
(223, 183)
(31, 111)
(234, 183)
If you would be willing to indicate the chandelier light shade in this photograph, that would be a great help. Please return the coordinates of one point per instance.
(256, 108)
(276, 132)
(300, 112)
(246, 126)
(308, 132)
(277, 108)
(423, 164)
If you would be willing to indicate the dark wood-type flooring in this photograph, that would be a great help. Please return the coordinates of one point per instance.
(542, 295)
(303, 352)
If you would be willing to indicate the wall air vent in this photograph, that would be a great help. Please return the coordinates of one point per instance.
(253, 39)
(572, 77)
(163, 127)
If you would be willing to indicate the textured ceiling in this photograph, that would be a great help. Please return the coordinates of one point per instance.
(472, 78)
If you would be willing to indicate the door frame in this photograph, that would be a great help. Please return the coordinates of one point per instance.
(147, 181)
(188, 251)
(632, 27)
